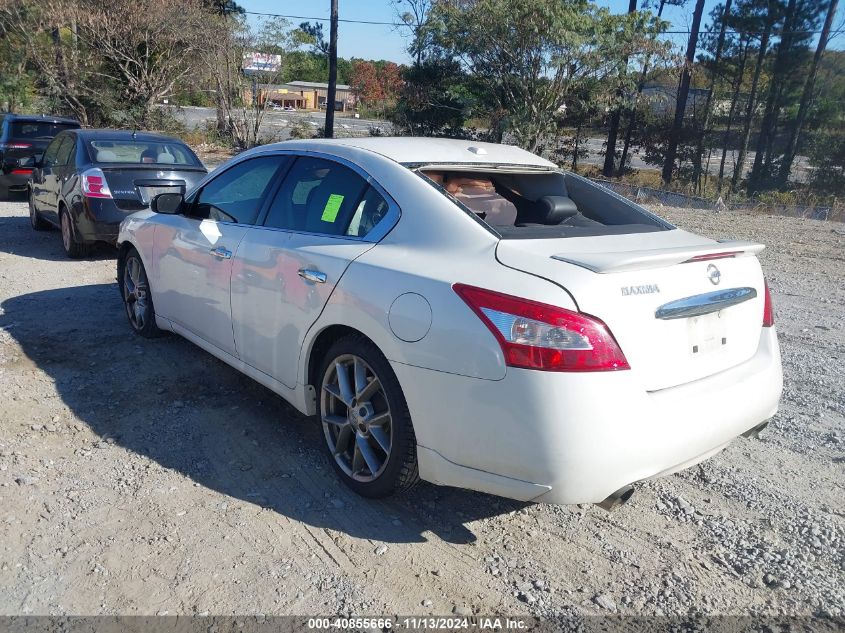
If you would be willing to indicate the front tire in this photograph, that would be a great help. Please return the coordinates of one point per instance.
(366, 423)
(73, 248)
(137, 298)
(35, 220)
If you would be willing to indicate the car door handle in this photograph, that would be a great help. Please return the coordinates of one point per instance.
(221, 253)
(312, 275)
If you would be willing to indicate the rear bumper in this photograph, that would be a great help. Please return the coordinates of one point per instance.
(577, 438)
(14, 181)
(99, 220)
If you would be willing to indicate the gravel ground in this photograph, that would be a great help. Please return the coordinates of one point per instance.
(146, 477)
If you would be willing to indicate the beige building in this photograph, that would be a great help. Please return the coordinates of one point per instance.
(307, 95)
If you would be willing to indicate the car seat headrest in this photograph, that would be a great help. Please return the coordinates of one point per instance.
(555, 209)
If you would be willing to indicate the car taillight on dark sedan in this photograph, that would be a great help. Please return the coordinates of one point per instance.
(94, 184)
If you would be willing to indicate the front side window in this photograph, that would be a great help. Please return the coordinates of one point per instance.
(320, 196)
(65, 151)
(236, 195)
(52, 151)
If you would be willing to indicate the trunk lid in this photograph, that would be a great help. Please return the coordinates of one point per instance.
(626, 279)
(134, 187)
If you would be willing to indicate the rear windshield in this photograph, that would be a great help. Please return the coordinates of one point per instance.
(39, 129)
(141, 152)
(542, 205)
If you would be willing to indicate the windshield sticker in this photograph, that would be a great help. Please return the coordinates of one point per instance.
(332, 207)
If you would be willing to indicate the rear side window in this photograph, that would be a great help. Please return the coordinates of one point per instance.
(237, 194)
(368, 213)
(38, 129)
(320, 196)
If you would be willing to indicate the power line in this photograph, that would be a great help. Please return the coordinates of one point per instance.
(378, 23)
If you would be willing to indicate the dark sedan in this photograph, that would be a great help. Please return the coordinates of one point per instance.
(88, 181)
(22, 137)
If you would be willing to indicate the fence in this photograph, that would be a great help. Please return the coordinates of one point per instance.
(647, 195)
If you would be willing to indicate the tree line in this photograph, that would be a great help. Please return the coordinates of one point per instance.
(113, 62)
(756, 77)
(752, 103)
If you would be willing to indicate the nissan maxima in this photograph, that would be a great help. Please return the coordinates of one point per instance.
(463, 313)
(88, 181)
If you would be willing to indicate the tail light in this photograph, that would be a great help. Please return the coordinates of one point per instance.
(539, 336)
(7, 146)
(708, 256)
(768, 308)
(22, 171)
(94, 184)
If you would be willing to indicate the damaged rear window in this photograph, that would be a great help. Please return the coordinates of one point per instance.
(541, 205)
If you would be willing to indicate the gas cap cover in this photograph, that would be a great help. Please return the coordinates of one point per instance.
(410, 317)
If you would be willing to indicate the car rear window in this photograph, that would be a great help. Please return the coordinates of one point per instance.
(140, 152)
(541, 205)
(39, 129)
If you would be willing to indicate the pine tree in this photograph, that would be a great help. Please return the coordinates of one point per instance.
(722, 16)
(613, 131)
(806, 97)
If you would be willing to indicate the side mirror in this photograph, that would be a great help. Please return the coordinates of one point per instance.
(169, 203)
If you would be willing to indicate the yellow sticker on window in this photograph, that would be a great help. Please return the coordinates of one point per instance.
(331, 208)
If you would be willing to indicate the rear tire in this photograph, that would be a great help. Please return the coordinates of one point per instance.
(73, 248)
(366, 423)
(137, 296)
(36, 221)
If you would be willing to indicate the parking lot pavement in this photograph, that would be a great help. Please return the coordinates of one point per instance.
(144, 477)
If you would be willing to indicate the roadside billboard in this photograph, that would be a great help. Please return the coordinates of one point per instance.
(261, 63)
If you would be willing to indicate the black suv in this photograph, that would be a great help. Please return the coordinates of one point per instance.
(22, 137)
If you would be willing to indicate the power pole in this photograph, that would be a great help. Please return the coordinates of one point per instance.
(331, 97)
(683, 93)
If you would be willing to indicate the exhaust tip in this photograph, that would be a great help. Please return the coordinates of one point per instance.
(617, 499)
(754, 433)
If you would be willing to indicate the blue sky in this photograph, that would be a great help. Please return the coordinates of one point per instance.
(385, 42)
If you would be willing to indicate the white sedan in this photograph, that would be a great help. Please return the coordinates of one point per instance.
(463, 313)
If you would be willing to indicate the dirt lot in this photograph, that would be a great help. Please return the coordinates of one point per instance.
(145, 477)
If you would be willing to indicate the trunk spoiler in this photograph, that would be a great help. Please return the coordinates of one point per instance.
(621, 261)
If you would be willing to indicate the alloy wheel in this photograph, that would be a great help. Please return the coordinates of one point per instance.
(356, 418)
(135, 292)
(67, 235)
(33, 216)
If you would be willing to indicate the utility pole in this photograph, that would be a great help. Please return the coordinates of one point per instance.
(332, 96)
(683, 93)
